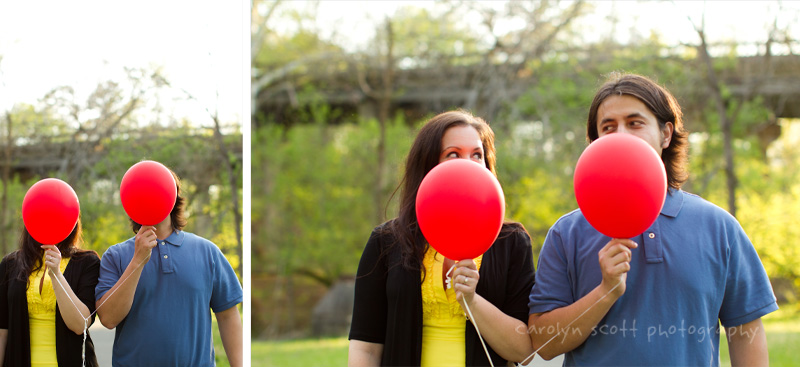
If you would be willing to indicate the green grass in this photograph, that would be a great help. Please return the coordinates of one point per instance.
(783, 338)
(306, 352)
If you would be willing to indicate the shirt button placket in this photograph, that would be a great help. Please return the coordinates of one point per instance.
(166, 266)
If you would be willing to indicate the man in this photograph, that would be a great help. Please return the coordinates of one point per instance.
(658, 298)
(157, 288)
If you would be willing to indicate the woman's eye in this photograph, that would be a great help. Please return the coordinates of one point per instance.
(452, 155)
(477, 156)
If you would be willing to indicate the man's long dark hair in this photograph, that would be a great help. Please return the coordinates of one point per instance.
(423, 156)
(28, 257)
(665, 108)
(176, 216)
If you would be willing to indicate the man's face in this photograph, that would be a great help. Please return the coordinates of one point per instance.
(628, 115)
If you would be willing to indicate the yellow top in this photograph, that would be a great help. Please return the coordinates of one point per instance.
(443, 320)
(42, 317)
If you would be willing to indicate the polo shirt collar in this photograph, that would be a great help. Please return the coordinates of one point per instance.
(176, 238)
(673, 203)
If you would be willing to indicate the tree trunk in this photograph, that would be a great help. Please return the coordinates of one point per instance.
(237, 213)
(724, 123)
(384, 109)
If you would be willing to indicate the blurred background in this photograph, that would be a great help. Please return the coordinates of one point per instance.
(339, 89)
(88, 88)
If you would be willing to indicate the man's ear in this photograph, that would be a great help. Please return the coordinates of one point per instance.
(666, 133)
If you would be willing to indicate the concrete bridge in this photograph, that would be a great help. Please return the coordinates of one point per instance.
(420, 90)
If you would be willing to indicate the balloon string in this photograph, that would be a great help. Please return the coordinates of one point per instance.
(471, 318)
(123, 282)
(85, 333)
(449, 280)
(567, 327)
(86, 319)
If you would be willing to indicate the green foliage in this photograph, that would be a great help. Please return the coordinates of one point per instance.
(314, 202)
(427, 39)
(192, 156)
(314, 181)
(317, 188)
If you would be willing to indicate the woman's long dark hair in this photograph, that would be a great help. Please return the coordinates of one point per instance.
(423, 156)
(28, 257)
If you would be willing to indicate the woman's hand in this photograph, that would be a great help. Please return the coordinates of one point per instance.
(52, 258)
(465, 278)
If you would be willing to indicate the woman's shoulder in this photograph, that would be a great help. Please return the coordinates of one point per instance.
(384, 231)
(513, 235)
(10, 256)
(514, 227)
(514, 230)
(85, 257)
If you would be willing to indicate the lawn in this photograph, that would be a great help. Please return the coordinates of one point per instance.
(783, 336)
(307, 352)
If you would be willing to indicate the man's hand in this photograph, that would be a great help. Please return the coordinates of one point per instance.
(145, 241)
(615, 262)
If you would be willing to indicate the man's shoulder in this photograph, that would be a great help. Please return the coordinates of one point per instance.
(700, 206)
(192, 239)
(569, 221)
(122, 247)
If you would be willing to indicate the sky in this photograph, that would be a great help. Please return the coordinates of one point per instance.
(744, 21)
(199, 44)
(203, 46)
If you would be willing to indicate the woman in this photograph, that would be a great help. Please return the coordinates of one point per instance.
(41, 322)
(403, 314)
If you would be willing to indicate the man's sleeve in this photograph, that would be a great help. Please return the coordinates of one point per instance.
(748, 293)
(227, 291)
(110, 272)
(552, 288)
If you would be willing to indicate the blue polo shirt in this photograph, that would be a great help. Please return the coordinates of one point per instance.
(169, 323)
(693, 269)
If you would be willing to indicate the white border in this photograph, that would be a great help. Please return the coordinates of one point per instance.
(246, 133)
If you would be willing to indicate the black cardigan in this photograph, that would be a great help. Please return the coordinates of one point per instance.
(388, 297)
(81, 275)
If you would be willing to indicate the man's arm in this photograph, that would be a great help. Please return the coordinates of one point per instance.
(747, 344)
(614, 261)
(230, 331)
(115, 308)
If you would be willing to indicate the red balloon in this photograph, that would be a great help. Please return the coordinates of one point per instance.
(620, 185)
(460, 208)
(50, 211)
(148, 192)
